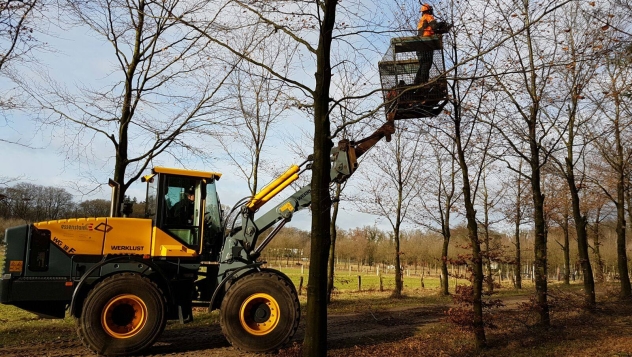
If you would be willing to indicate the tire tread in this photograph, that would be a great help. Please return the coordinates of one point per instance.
(94, 290)
(266, 274)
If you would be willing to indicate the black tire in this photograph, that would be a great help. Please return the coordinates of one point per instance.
(260, 312)
(123, 314)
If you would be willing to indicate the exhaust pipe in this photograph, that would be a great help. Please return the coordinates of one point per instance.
(114, 200)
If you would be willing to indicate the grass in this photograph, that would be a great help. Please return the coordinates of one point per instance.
(19, 327)
(347, 282)
(573, 332)
(607, 330)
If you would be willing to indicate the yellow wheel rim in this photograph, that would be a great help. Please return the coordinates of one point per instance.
(259, 314)
(124, 316)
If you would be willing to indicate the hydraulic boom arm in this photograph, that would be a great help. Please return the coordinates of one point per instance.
(241, 246)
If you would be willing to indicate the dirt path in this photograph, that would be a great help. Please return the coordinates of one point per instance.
(343, 331)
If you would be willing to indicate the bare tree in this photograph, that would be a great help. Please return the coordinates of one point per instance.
(489, 198)
(521, 70)
(463, 128)
(35, 203)
(93, 208)
(258, 103)
(613, 84)
(595, 206)
(438, 197)
(21, 24)
(18, 28)
(347, 87)
(517, 210)
(558, 209)
(313, 26)
(393, 187)
(580, 49)
(162, 88)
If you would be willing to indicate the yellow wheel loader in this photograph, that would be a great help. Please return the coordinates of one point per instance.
(123, 278)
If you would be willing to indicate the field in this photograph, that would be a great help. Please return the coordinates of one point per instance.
(370, 323)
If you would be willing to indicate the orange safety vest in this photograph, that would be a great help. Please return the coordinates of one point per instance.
(427, 31)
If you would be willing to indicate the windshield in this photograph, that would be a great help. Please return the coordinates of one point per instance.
(213, 208)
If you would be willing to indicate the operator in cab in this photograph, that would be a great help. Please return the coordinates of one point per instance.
(184, 209)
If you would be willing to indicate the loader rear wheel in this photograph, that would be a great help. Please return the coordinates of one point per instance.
(260, 312)
(123, 314)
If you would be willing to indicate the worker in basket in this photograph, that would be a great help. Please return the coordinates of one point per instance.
(425, 28)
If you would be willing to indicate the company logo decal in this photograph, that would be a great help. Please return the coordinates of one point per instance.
(102, 227)
(127, 247)
(77, 227)
(304, 194)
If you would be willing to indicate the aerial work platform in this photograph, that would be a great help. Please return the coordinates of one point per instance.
(406, 91)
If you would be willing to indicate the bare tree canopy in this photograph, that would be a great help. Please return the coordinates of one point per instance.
(161, 92)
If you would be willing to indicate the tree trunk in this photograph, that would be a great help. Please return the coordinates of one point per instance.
(332, 250)
(540, 239)
(517, 221)
(622, 258)
(597, 244)
(315, 342)
(567, 253)
(397, 293)
(518, 258)
(445, 230)
(489, 280)
(444, 263)
(472, 228)
(121, 146)
(582, 237)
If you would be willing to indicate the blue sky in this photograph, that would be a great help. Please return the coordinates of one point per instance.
(78, 58)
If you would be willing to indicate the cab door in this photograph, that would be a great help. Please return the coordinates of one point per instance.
(179, 216)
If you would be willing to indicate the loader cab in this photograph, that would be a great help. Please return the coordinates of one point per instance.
(184, 204)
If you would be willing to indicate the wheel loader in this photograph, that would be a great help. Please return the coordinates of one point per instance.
(122, 278)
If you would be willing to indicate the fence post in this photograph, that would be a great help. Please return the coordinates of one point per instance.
(359, 283)
(300, 285)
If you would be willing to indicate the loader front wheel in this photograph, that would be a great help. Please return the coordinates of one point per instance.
(260, 312)
(123, 314)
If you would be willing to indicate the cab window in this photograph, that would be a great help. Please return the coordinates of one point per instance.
(213, 208)
(181, 213)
